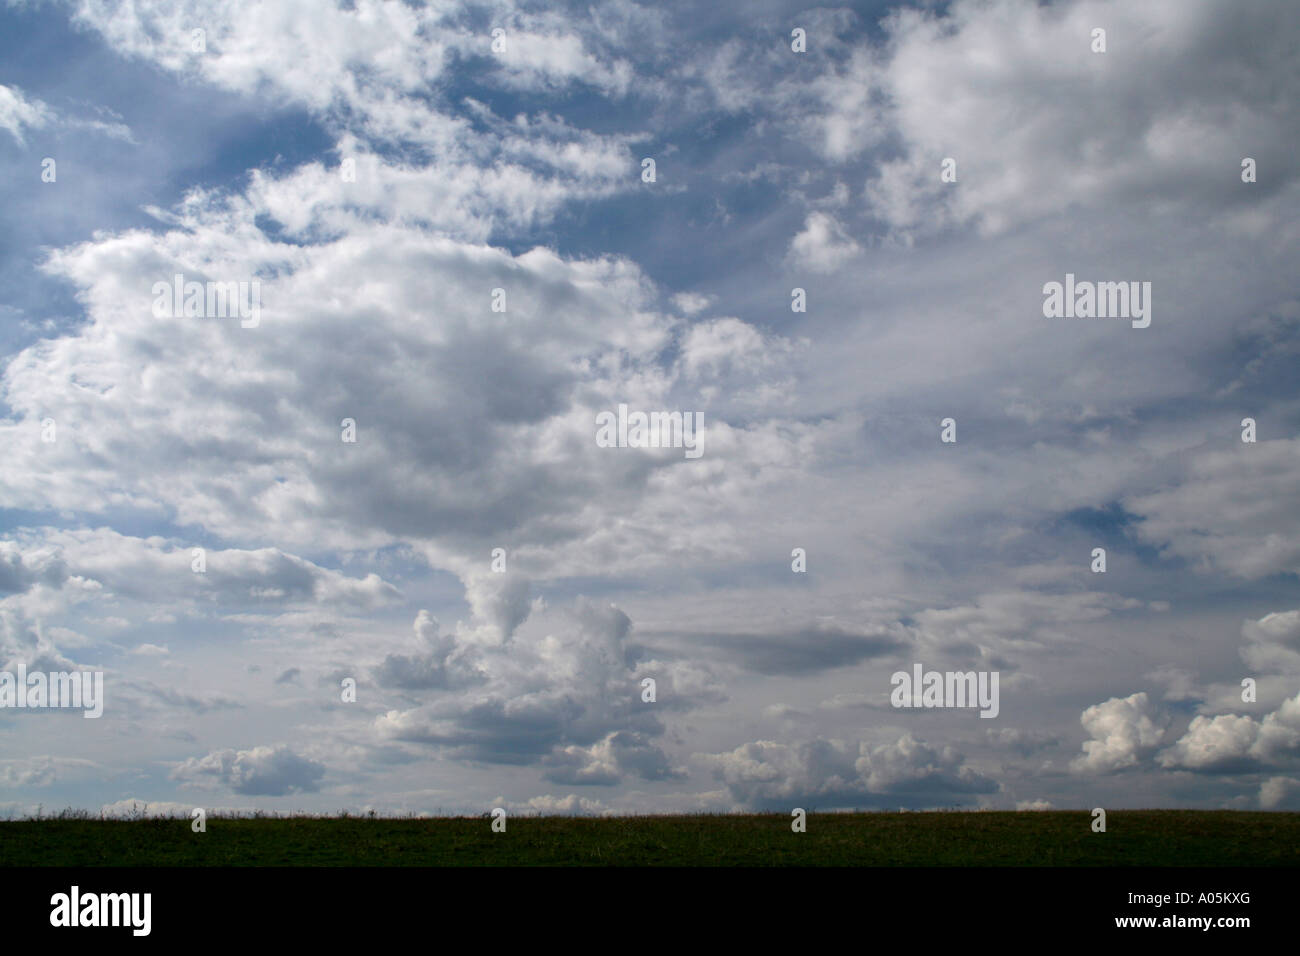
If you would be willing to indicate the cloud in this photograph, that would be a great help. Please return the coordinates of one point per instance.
(18, 572)
(484, 444)
(823, 245)
(261, 771)
(1218, 743)
(1033, 805)
(1229, 743)
(543, 60)
(768, 775)
(692, 303)
(340, 54)
(441, 664)
(1124, 731)
(130, 808)
(355, 56)
(151, 650)
(1012, 92)
(1026, 743)
(807, 650)
(572, 804)
(502, 601)
(728, 343)
(1179, 683)
(1280, 793)
(564, 695)
(17, 112)
(44, 771)
(1272, 643)
(153, 696)
(158, 570)
(1229, 510)
(1002, 624)
(609, 760)
(478, 171)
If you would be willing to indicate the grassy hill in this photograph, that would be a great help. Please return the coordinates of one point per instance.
(1051, 838)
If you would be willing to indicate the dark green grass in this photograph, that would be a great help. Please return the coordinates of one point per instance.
(1133, 838)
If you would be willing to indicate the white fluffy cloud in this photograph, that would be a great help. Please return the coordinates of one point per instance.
(1124, 731)
(1230, 742)
(1015, 94)
(823, 245)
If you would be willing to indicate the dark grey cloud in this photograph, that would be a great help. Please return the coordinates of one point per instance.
(809, 650)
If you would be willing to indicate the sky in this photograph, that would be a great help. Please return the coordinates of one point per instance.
(363, 547)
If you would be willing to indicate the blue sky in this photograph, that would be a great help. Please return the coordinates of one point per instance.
(521, 169)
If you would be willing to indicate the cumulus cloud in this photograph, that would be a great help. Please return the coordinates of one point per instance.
(1124, 731)
(728, 343)
(1280, 793)
(1238, 743)
(770, 775)
(262, 771)
(18, 572)
(1272, 643)
(572, 804)
(609, 760)
(1009, 90)
(514, 459)
(1034, 805)
(692, 303)
(440, 664)
(564, 695)
(1217, 743)
(823, 245)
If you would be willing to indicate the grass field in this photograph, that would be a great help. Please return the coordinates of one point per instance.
(1133, 838)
